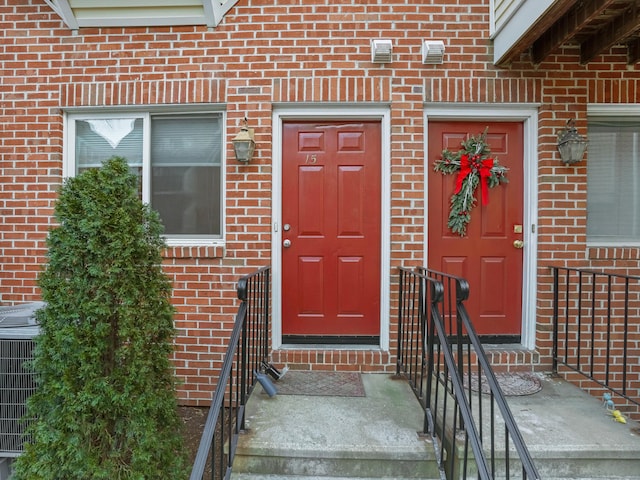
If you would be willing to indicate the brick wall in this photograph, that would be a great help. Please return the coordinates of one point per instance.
(278, 52)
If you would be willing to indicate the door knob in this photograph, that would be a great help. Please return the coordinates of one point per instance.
(518, 243)
(286, 243)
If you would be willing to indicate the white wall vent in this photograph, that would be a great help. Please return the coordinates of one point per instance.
(381, 51)
(432, 52)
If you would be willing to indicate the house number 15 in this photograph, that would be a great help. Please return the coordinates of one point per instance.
(311, 159)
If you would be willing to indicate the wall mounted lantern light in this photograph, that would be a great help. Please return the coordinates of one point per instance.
(381, 50)
(244, 144)
(432, 52)
(570, 144)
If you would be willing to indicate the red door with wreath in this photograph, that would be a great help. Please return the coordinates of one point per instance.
(331, 178)
(489, 254)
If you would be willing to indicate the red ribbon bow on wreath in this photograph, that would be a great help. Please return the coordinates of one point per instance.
(483, 167)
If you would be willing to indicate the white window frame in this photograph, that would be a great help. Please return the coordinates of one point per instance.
(69, 156)
(595, 110)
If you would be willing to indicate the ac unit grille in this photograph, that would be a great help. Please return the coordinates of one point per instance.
(16, 385)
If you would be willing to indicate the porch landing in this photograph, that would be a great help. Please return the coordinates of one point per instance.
(567, 431)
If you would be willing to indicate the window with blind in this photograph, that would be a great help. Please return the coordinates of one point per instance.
(613, 181)
(177, 158)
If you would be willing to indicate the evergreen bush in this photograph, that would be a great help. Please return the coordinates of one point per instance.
(105, 406)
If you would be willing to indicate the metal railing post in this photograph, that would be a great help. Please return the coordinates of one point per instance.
(554, 355)
(612, 329)
(449, 406)
(246, 350)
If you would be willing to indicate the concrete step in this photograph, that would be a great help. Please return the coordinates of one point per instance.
(635, 477)
(570, 434)
(337, 437)
(333, 468)
(251, 476)
(606, 465)
(584, 467)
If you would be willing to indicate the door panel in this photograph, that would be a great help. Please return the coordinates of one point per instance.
(311, 292)
(310, 194)
(331, 174)
(486, 256)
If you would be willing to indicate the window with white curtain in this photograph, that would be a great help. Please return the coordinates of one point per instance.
(177, 158)
(613, 181)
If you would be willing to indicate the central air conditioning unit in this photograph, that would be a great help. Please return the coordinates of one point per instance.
(17, 331)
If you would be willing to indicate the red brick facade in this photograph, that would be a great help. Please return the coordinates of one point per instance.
(285, 52)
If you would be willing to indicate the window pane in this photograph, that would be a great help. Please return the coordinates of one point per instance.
(613, 181)
(186, 173)
(100, 139)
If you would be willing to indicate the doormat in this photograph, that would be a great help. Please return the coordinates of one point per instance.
(512, 383)
(331, 384)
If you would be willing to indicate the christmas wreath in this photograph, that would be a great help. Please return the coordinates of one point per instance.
(473, 167)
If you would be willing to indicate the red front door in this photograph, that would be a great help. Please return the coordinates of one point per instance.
(331, 180)
(487, 256)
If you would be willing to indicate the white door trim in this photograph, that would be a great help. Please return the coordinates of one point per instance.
(527, 114)
(330, 113)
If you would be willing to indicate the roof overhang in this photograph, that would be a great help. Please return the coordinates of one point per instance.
(512, 36)
(136, 13)
(541, 26)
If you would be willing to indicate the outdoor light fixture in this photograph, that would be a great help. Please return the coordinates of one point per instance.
(381, 51)
(570, 144)
(244, 144)
(432, 52)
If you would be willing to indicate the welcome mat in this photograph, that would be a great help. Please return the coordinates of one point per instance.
(512, 384)
(332, 384)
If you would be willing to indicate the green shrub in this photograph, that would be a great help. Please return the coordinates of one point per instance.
(105, 406)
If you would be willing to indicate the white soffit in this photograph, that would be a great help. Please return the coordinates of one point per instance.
(140, 13)
(523, 17)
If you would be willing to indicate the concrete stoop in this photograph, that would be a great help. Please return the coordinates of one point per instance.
(569, 434)
(251, 476)
(308, 437)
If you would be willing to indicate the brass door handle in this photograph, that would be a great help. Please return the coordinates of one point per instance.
(518, 243)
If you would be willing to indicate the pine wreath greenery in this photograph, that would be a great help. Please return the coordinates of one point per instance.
(474, 167)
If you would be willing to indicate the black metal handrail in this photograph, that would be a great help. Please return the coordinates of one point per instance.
(247, 350)
(439, 351)
(595, 321)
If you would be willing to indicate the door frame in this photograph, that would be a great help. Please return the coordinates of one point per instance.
(333, 113)
(526, 113)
